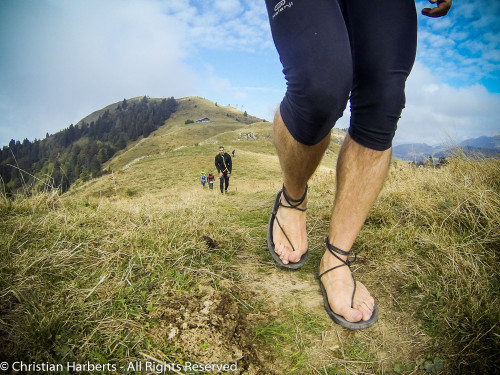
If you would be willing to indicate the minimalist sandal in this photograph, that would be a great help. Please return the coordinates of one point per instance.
(339, 319)
(294, 204)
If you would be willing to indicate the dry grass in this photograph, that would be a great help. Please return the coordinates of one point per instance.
(83, 274)
(435, 234)
(79, 278)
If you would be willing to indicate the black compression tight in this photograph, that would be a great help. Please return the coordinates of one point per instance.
(336, 50)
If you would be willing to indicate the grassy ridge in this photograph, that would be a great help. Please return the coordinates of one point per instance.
(118, 270)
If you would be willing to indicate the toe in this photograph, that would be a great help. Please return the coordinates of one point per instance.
(296, 255)
(351, 315)
(293, 257)
(278, 249)
(365, 311)
(284, 254)
(366, 307)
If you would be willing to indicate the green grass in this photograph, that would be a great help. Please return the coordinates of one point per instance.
(107, 271)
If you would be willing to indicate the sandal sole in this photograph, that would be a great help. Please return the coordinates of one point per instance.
(340, 320)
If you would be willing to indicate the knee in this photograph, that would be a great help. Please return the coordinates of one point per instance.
(325, 99)
(375, 112)
(325, 89)
(314, 103)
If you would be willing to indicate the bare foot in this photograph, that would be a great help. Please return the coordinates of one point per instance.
(339, 286)
(293, 223)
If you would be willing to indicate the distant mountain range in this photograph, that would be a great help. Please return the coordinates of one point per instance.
(488, 146)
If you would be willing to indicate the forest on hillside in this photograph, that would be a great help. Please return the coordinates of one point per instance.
(78, 152)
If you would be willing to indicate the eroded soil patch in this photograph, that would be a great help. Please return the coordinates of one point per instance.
(210, 327)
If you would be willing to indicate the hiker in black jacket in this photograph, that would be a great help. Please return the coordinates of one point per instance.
(224, 166)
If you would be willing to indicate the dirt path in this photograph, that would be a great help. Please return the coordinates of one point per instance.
(295, 298)
(284, 309)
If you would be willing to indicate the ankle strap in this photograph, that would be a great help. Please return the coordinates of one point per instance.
(334, 250)
(294, 203)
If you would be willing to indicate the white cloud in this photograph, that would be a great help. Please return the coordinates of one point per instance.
(230, 7)
(437, 112)
(469, 33)
(229, 25)
(71, 58)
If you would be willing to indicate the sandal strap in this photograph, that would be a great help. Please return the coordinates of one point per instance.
(334, 250)
(283, 231)
(293, 203)
(346, 262)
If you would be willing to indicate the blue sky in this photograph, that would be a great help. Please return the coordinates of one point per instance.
(63, 59)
